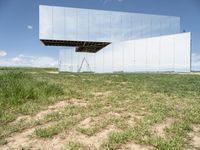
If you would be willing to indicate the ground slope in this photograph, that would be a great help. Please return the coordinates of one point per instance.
(101, 111)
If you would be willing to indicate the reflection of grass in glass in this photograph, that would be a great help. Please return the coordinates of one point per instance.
(111, 100)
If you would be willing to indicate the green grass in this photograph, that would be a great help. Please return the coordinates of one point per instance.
(156, 97)
(73, 145)
(19, 90)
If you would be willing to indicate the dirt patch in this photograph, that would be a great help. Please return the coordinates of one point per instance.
(108, 81)
(113, 114)
(77, 102)
(124, 83)
(53, 72)
(93, 142)
(22, 118)
(195, 137)
(88, 122)
(33, 143)
(19, 141)
(91, 121)
(62, 104)
(25, 140)
(159, 129)
(50, 109)
(133, 118)
(102, 94)
(59, 106)
(134, 146)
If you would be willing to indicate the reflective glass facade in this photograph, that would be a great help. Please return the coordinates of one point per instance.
(59, 23)
(169, 53)
(124, 42)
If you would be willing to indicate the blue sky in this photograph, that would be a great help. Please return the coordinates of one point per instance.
(19, 31)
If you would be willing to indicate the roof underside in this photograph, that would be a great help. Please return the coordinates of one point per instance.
(81, 46)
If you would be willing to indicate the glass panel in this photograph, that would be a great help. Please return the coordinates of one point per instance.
(140, 55)
(153, 54)
(164, 26)
(129, 56)
(90, 61)
(155, 26)
(126, 26)
(104, 25)
(70, 24)
(82, 64)
(99, 61)
(166, 53)
(146, 26)
(58, 23)
(108, 57)
(167, 26)
(118, 57)
(82, 24)
(75, 61)
(46, 27)
(175, 25)
(94, 26)
(136, 26)
(65, 59)
(116, 26)
(182, 52)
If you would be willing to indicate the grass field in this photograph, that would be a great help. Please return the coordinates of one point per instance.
(41, 109)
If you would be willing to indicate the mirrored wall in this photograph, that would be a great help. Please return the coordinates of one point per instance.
(158, 54)
(74, 24)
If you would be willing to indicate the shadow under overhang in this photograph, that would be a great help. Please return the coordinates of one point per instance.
(81, 46)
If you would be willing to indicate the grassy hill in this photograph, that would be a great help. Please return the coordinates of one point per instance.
(42, 109)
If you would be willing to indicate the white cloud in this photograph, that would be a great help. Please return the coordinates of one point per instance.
(195, 62)
(29, 61)
(2, 53)
(45, 61)
(29, 27)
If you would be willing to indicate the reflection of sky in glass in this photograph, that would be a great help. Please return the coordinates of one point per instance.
(73, 24)
(165, 53)
(94, 25)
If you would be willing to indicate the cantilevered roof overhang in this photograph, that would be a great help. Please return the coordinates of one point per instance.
(81, 46)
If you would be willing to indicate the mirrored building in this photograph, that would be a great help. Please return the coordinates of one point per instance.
(107, 41)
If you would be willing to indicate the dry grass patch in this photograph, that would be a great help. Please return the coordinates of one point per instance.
(25, 137)
(51, 109)
(195, 137)
(19, 140)
(135, 146)
(93, 125)
(88, 122)
(159, 129)
(24, 140)
(22, 118)
(93, 142)
(133, 118)
(102, 94)
(52, 72)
